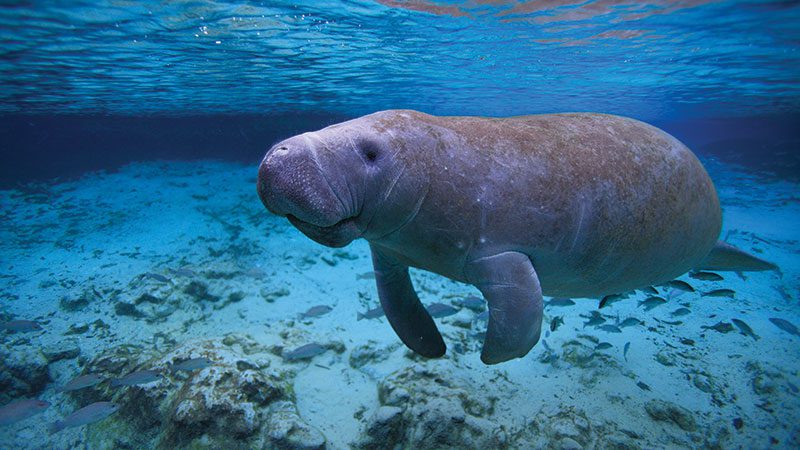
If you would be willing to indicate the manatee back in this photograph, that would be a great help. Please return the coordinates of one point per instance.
(601, 203)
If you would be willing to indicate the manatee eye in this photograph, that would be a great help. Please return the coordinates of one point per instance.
(371, 155)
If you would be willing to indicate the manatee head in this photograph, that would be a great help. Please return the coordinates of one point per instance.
(340, 183)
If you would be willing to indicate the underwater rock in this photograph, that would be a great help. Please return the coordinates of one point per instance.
(271, 295)
(433, 415)
(369, 354)
(148, 298)
(570, 425)
(199, 292)
(585, 355)
(443, 423)
(77, 329)
(80, 302)
(764, 382)
(463, 319)
(222, 404)
(664, 411)
(666, 358)
(154, 305)
(61, 350)
(569, 444)
(233, 297)
(68, 304)
(23, 373)
(128, 309)
(716, 437)
(286, 430)
(703, 382)
(384, 429)
(570, 428)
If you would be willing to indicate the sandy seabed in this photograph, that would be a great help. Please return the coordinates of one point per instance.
(195, 234)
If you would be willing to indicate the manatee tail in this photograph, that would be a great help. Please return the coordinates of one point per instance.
(727, 257)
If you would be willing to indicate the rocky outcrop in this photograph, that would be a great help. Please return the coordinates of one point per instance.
(23, 373)
(421, 410)
(242, 399)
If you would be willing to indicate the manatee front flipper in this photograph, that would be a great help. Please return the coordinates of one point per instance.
(727, 257)
(409, 319)
(511, 287)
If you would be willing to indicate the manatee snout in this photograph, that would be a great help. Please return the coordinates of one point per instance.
(295, 182)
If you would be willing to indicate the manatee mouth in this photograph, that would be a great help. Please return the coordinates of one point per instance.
(339, 234)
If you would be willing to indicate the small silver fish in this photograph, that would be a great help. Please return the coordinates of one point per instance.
(20, 326)
(593, 322)
(316, 311)
(649, 290)
(439, 310)
(721, 327)
(745, 329)
(560, 301)
(643, 386)
(84, 416)
(21, 410)
(673, 294)
(183, 272)
(785, 325)
(625, 350)
(720, 293)
(670, 322)
(680, 285)
(595, 319)
(706, 276)
(373, 313)
(155, 276)
(784, 293)
(81, 382)
(191, 364)
(651, 302)
(136, 378)
(610, 328)
(680, 312)
(629, 322)
(556, 322)
(609, 300)
(472, 302)
(603, 346)
(303, 352)
(366, 276)
(482, 317)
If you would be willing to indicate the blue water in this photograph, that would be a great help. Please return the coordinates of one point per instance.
(645, 59)
(132, 235)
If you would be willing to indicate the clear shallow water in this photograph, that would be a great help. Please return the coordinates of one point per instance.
(644, 59)
(130, 230)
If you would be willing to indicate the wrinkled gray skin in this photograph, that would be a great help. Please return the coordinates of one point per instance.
(573, 205)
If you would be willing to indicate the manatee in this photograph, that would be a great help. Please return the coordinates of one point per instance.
(567, 205)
